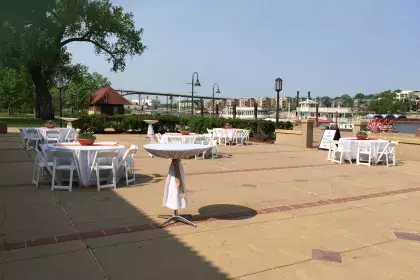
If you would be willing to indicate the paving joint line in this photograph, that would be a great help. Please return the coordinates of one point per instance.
(198, 219)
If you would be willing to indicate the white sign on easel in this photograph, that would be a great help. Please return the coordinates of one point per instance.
(329, 134)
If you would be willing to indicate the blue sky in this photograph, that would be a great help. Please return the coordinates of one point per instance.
(329, 47)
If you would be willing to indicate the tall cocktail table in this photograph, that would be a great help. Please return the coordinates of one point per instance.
(175, 196)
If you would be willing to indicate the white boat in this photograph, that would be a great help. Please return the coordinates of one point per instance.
(246, 113)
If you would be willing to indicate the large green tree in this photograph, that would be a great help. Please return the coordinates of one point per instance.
(16, 91)
(81, 87)
(35, 34)
(386, 103)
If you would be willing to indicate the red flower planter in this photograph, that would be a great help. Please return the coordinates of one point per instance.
(361, 137)
(3, 128)
(49, 126)
(184, 132)
(228, 127)
(86, 142)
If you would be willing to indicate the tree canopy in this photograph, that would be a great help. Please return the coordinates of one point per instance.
(35, 36)
(386, 103)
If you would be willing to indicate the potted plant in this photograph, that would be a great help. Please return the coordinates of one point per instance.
(86, 138)
(185, 130)
(228, 126)
(49, 124)
(362, 135)
(3, 127)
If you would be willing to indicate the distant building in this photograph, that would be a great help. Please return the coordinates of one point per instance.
(153, 103)
(264, 102)
(107, 101)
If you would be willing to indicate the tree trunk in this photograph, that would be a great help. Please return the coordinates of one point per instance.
(44, 109)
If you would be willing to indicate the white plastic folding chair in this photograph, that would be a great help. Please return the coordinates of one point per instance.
(364, 153)
(388, 153)
(22, 142)
(40, 165)
(128, 163)
(52, 136)
(105, 160)
(210, 131)
(331, 148)
(70, 136)
(33, 138)
(62, 161)
(340, 152)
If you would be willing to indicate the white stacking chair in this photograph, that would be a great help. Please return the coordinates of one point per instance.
(159, 138)
(247, 132)
(105, 160)
(70, 136)
(40, 165)
(203, 140)
(128, 163)
(210, 131)
(240, 136)
(223, 137)
(62, 161)
(340, 152)
(364, 150)
(33, 138)
(388, 153)
(52, 136)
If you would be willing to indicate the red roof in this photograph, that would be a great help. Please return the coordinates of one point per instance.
(108, 95)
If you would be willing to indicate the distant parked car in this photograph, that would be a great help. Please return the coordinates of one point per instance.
(377, 116)
(398, 116)
(388, 116)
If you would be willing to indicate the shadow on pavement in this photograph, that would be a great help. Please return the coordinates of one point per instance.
(100, 234)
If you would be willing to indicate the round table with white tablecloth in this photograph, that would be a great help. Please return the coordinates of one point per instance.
(351, 144)
(175, 191)
(84, 157)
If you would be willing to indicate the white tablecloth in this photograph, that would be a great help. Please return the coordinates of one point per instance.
(84, 156)
(223, 132)
(351, 144)
(177, 138)
(173, 198)
(63, 132)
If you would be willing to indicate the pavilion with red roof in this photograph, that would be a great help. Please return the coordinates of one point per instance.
(107, 101)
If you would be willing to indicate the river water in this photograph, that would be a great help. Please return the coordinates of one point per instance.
(409, 128)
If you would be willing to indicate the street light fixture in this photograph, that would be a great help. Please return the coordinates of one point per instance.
(60, 84)
(194, 83)
(278, 88)
(217, 91)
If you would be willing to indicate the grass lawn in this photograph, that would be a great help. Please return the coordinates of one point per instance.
(22, 121)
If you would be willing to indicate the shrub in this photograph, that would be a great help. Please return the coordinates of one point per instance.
(262, 130)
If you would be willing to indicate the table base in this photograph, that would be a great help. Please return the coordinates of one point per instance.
(176, 218)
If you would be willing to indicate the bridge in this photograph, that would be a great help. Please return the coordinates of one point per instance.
(133, 92)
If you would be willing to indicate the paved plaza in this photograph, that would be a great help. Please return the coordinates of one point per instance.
(263, 211)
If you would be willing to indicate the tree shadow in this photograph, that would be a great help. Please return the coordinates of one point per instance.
(225, 212)
(120, 229)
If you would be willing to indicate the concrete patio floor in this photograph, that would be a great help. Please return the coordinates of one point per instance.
(262, 211)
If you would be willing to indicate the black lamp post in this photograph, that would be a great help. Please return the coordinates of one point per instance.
(278, 88)
(194, 84)
(60, 85)
(218, 92)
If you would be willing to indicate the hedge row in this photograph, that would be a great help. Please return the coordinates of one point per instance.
(262, 130)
